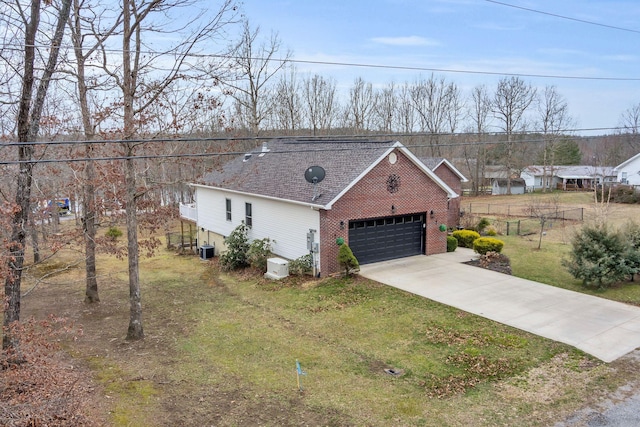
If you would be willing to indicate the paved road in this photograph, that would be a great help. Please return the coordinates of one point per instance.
(603, 328)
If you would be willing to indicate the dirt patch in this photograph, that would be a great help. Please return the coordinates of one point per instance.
(492, 261)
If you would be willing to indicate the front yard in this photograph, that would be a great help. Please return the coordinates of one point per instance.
(221, 349)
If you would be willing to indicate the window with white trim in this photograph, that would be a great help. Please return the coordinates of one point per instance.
(248, 214)
(228, 208)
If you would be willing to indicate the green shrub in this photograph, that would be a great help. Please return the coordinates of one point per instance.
(487, 244)
(600, 257)
(301, 266)
(465, 237)
(258, 253)
(482, 224)
(235, 257)
(347, 260)
(113, 233)
(452, 243)
(491, 231)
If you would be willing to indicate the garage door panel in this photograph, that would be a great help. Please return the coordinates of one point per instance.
(387, 238)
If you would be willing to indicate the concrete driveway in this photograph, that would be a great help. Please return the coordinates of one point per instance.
(600, 327)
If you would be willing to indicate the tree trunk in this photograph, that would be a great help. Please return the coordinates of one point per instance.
(34, 240)
(89, 228)
(23, 189)
(135, 331)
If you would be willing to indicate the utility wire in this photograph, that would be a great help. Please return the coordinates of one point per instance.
(391, 67)
(294, 137)
(240, 153)
(584, 21)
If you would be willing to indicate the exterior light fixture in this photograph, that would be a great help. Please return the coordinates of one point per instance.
(432, 214)
(341, 225)
(393, 209)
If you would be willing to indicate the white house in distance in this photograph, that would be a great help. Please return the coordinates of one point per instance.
(574, 177)
(377, 196)
(628, 172)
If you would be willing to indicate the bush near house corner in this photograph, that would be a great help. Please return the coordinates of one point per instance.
(452, 243)
(235, 257)
(483, 245)
(465, 238)
(301, 266)
(258, 253)
(347, 260)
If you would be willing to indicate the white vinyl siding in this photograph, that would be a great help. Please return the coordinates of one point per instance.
(285, 223)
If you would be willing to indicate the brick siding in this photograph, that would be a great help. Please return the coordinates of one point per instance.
(369, 198)
(453, 181)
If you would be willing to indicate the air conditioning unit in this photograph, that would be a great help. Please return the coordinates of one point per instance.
(207, 251)
(277, 268)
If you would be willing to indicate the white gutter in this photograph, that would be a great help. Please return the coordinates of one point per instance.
(261, 196)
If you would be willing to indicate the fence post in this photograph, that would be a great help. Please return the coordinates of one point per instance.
(507, 228)
(518, 227)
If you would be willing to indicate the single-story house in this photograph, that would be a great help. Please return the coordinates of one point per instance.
(306, 194)
(499, 186)
(578, 177)
(628, 172)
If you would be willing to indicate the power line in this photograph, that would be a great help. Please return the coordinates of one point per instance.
(584, 21)
(389, 67)
(286, 137)
(240, 153)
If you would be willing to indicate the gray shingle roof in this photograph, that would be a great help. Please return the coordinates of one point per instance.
(279, 172)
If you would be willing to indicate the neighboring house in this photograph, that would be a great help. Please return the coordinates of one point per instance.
(499, 186)
(579, 177)
(628, 172)
(377, 196)
(447, 172)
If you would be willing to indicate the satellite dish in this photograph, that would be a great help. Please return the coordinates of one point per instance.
(314, 174)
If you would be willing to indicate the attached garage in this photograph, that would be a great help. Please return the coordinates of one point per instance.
(381, 239)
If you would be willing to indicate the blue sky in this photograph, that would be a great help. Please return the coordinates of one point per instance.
(470, 35)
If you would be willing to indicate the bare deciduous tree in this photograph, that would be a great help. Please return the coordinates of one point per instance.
(385, 108)
(630, 124)
(554, 116)
(288, 103)
(28, 124)
(319, 97)
(255, 66)
(432, 100)
(361, 106)
(511, 101)
(141, 84)
(478, 111)
(82, 28)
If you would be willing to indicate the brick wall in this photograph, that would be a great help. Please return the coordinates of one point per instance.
(370, 198)
(453, 181)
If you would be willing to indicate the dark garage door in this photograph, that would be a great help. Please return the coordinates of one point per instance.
(381, 239)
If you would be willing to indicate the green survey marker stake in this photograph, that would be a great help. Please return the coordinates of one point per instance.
(299, 373)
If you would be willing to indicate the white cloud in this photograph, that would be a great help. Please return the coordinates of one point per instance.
(405, 41)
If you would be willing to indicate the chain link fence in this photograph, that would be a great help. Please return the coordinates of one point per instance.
(523, 211)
